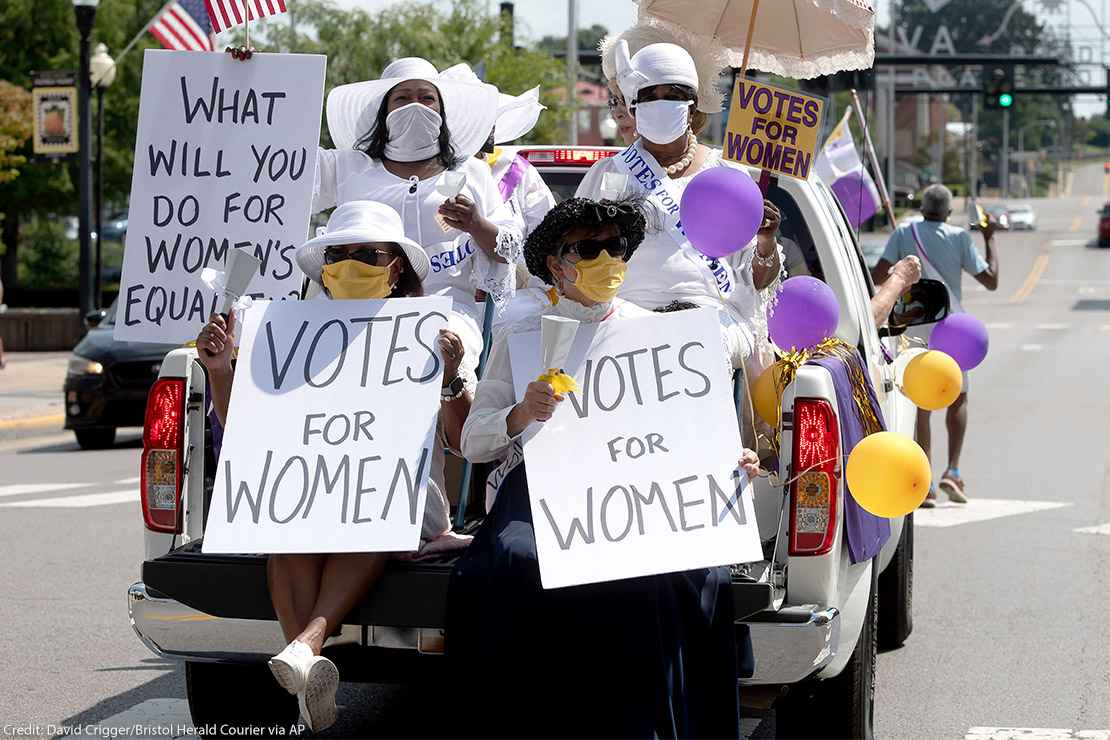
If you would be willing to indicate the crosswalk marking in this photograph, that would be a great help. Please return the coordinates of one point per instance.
(1031, 347)
(19, 489)
(947, 514)
(1052, 327)
(999, 325)
(78, 502)
(125, 481)
(1097, 529)
(170, 716)
(1034, 733)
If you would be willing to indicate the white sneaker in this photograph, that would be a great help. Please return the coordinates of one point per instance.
(317, 700)
(290, 666)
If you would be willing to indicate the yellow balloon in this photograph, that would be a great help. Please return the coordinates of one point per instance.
(765, 396)
(933, 380)
(888, 474)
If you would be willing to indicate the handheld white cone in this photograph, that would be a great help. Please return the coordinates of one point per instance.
(449, 184)
(556, 337)
(241, 267)
(613, 185)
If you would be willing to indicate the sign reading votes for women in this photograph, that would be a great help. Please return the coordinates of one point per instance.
(225, 158)
(636, 474)
(774, 129)
(332, 426)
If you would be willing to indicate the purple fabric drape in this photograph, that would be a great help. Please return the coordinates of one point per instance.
(866, 533)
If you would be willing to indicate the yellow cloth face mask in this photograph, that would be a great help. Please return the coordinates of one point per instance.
(354, 279)
(599, 279)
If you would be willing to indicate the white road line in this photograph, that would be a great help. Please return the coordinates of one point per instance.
(1053, 327)
(18, 489)
(978, 510)
(1069, 242)
(1034, 733)
(1000, 325)
(1087, 290)
(125, 481)
(79, 502)
(1104, 327)
(1031, 347)
(1097, 529)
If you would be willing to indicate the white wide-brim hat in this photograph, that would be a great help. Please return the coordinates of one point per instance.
(469, 108)
(357, 222)
(516, 114)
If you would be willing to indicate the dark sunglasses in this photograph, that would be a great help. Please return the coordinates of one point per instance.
(589, 249)
(366, 255)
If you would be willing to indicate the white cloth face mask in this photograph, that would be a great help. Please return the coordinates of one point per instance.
(413, 133)
(662, 121)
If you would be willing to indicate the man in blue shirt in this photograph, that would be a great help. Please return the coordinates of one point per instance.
(946, 252)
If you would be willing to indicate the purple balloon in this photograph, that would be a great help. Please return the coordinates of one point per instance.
(963, 337)
(806, 313)
(721, 210)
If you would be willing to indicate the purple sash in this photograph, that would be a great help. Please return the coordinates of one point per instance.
(866, 533)
(512, 177)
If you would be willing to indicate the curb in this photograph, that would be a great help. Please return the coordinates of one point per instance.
(31, 426)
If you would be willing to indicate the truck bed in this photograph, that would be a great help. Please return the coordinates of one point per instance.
(410, 594)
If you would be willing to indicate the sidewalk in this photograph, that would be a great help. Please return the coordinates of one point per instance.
(31, 399)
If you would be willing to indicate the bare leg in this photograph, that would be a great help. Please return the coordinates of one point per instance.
(956, 421)
(345, 580)
(294, 582)
(923, 433)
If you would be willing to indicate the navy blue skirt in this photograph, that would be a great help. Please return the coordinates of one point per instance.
(642, 657)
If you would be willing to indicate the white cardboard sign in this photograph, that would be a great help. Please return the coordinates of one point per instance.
(331, 428)
(225, 158)
(637, 474)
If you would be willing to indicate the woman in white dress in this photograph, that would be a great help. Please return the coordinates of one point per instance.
(661, 83)
(397, 138)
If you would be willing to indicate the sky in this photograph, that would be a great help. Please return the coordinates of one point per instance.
(538, 18)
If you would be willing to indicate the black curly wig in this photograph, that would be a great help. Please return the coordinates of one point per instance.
(548, 237)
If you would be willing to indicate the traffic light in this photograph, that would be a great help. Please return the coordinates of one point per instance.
(998, 87)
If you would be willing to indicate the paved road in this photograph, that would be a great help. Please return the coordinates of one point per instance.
(1009, 591)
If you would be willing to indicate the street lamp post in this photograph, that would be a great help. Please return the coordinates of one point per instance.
(102, 70)
(85, 11)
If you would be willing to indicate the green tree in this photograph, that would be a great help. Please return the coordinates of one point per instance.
(15, 128)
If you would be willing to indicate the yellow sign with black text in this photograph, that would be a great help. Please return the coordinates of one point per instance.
(774, 129)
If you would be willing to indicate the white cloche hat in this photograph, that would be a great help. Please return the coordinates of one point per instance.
(357, 222)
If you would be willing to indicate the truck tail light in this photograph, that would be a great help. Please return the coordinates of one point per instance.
(813, 494)
(566, 157)
(163, 456)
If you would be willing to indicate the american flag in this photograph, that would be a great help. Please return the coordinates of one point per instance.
(227, 14)
(183, 25)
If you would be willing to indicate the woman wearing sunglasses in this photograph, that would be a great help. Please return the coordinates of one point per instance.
(363, 254)
(669, 97)
(641, 657)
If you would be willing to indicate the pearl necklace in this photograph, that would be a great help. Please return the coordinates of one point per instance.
(687, 158)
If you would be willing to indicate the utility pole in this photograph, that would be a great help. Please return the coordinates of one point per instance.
(892, 118)
(572, 69)
(1004, 180)
(975, 145)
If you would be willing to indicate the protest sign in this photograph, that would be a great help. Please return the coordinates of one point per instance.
(636, 473)
(332, 426)
(225, 158)
(773, 129)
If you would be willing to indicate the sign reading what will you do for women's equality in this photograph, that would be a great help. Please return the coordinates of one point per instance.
(225, 158)
(774, 129)
(332, 427)
(636, 473)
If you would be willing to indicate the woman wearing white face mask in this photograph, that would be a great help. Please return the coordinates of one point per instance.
(661, 85)
(398, 139)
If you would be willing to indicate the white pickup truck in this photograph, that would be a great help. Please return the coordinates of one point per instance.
(816, 619)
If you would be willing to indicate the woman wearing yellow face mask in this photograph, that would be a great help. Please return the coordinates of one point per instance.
(363, 254)
(641, 657)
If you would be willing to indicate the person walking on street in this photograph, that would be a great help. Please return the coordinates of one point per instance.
(945, 251)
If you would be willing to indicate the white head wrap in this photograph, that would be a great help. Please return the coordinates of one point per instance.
(708, 60)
